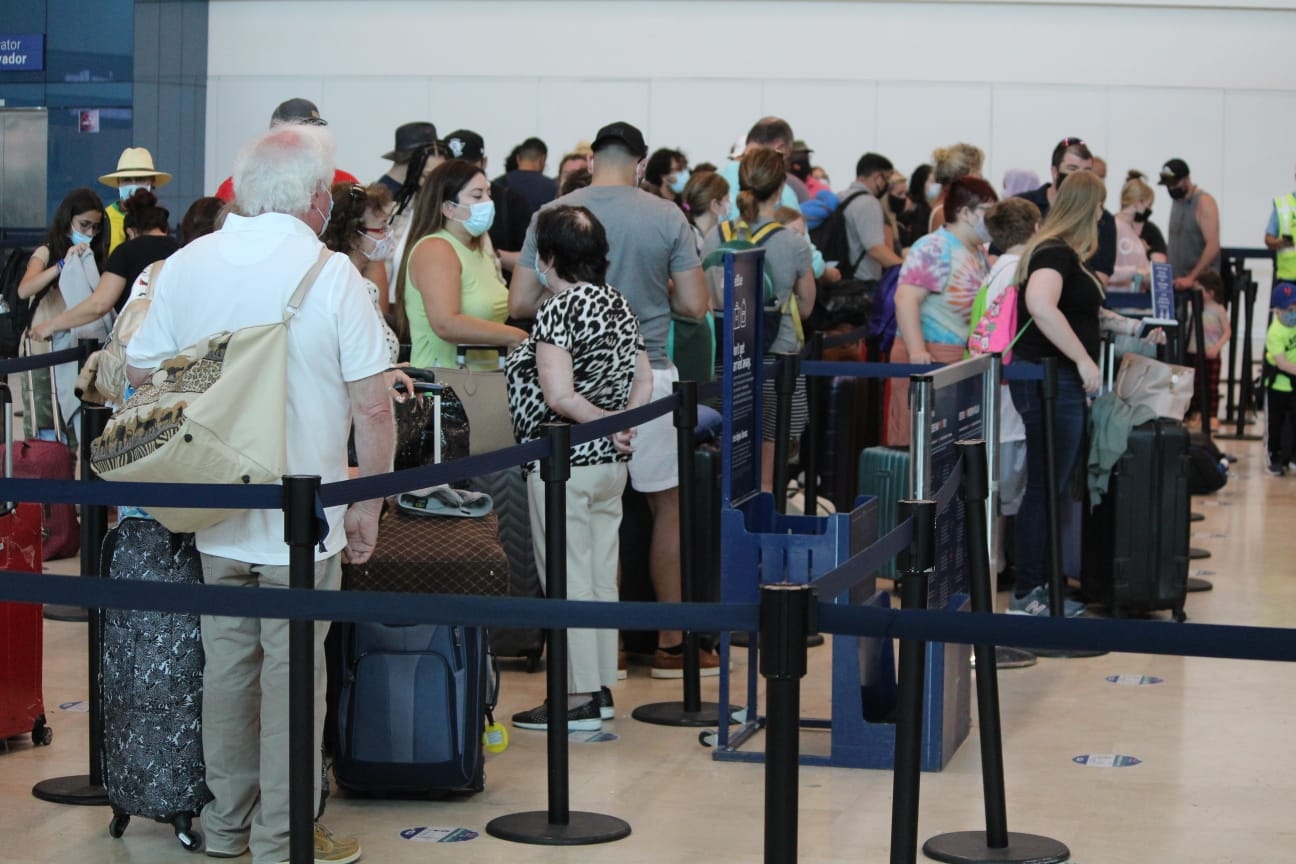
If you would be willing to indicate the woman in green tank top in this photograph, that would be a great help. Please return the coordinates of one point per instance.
(449, 291)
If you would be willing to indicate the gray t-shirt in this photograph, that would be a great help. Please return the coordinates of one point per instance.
(864, 223)
(648, 240)
(787, 256)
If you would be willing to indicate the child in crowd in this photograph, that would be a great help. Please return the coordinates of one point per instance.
(1280, 373)
(1215, 326)
(1011, 223)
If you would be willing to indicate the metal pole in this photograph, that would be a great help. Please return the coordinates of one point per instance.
(555, 472)
(921, 399)
(784, 384)
(785, 622)
(1235, 305)
(816, 432)
(915, 572)
(1052, 523)
(301, 533)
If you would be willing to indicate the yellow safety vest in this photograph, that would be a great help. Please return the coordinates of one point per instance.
(116, 225)
(1286, 258)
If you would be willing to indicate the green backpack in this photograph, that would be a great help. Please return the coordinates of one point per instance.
(737, 236)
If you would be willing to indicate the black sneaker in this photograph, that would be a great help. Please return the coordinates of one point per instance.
(1277, 468)
(583, 718)
(604, 702)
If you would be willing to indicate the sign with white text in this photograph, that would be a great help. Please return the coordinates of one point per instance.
(22, 52)
(742, 369)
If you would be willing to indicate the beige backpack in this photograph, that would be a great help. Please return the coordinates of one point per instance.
(103, 378)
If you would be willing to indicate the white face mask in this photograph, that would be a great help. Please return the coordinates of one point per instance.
(381, 247)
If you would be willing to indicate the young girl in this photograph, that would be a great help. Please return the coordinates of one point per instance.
(1215, 325)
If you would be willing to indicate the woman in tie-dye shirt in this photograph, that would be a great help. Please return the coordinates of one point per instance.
(933, 301)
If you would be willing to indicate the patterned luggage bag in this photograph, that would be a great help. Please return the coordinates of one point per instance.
(434, 555)
(152, 687)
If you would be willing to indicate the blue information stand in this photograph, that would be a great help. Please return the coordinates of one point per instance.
(759, 545)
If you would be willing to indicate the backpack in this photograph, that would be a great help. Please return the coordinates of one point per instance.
(15, 312)
(993, 323)
(849, 300)
(103, 378)
(736, 236)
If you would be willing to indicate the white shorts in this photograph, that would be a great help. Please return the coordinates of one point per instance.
(654, 466)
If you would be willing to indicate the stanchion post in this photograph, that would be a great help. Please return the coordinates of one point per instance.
(815, 387)
(1230, 274)
(786, 619)
(558, 825)
(88, 788)
(995, 844)
(784, 385)
(915, 570)
(301, 533)
(1052, 519)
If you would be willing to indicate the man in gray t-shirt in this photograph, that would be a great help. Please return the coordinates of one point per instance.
(654, 263)
(865, 220)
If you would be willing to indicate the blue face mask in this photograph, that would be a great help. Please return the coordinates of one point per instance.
(1288, 317)
(681, 178)
(78, 237)
(126, 190)
(541, 274)
(481, 217)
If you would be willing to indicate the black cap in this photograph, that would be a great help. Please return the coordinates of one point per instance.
(623, 134)
(297, 111)
(410, 137)
(1173, 171)
(465, 144)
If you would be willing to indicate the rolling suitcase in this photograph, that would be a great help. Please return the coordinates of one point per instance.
(1136, 541)
(412, 700)
(22, 707)
(152, 687)
(884, 473)
(38, 459)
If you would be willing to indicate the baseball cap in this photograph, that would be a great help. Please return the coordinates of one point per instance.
(1283, 295)
(624, 134)
(410, 137)
(800, 146)
(297, 110)
(465, 144)
(1173, 171)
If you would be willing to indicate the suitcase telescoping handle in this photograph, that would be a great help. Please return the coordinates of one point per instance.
(1107, 361)
(6, 398)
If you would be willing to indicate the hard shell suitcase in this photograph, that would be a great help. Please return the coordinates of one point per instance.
(884, 473)
(1136, 541)
(152, 687)
(22, 707)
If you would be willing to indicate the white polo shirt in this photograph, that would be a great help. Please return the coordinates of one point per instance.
(242, 276)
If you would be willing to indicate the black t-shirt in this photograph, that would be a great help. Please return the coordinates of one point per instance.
(1154, 239)
(132, 257)
(512, 217)
(536, 188)
(1104, 260)
(1081, 298)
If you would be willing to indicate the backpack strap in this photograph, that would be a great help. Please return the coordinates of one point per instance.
(304, 286)
(729, 230)
(765, 231)
(841, 209)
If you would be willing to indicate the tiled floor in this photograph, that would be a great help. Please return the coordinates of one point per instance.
(1215, 782)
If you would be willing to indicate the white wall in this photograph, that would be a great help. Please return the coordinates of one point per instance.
(1141, 82)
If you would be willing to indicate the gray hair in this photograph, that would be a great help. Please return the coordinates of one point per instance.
(280, 171)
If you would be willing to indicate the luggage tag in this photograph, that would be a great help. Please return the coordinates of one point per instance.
(495, 739)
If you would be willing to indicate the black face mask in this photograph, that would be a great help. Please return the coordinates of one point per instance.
(1142, 215)
(1178, 193)
(1061, 178)
(897, 203)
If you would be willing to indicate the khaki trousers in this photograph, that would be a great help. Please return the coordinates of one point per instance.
(245, 713)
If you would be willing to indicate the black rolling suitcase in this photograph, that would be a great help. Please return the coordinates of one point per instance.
(152, 687)
(1135, 556)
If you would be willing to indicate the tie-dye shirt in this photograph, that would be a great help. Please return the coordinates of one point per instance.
(952, 273)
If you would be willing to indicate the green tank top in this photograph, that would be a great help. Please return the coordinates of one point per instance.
(482, 295)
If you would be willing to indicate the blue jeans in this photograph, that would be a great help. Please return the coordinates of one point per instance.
(1032, 524)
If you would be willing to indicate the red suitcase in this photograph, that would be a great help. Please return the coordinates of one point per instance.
(22, 636)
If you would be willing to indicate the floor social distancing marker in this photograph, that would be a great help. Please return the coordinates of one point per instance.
(438, 835)
(1106, 760)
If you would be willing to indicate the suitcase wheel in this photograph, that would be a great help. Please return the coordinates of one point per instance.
(117, 827)
(42, 734)
(190, 839)
(1179, 615)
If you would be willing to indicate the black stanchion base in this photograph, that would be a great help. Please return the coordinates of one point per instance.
(1195, 584)
(75, 614)
(969, 847)
(739, 639)
(1067, 653)
(71, 790)
(1010, 658)
(1196, 554)
(673, 714)
(582, 829)
(1196, 517)
(1246, 436)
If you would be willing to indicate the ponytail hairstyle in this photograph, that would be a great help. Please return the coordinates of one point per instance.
(1135, 189)
(1073, 219)
(761, 174)
(700, 192)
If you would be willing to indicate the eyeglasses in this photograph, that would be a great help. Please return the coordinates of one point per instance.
(87, 226)
(357, 192)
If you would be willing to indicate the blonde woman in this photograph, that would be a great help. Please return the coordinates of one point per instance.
(1132, 264)
(1060, 309)
(949, 164)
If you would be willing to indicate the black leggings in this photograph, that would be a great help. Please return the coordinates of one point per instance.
(1279, 408)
